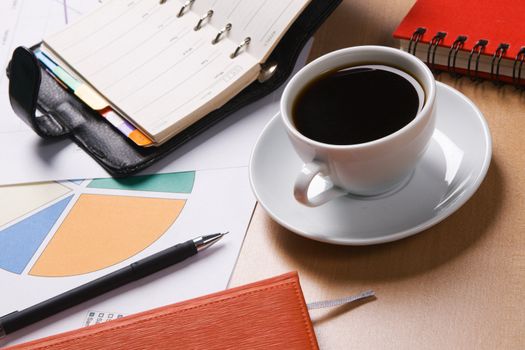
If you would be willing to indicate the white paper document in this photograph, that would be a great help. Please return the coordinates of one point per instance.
(59, 235)
(28, 158)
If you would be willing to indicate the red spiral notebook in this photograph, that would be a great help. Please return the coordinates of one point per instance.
(269, 314)
(477, 38)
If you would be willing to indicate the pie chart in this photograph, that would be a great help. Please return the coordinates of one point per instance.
(71, 228)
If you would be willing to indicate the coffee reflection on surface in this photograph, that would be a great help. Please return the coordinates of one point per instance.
(354, 105)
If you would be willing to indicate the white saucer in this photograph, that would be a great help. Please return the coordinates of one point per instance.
(446, 177)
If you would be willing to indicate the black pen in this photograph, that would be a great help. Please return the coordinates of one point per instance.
(137, 270)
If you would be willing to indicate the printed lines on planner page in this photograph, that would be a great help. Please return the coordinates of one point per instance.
(163, 65)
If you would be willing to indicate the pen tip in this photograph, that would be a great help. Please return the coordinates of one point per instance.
(204, 242)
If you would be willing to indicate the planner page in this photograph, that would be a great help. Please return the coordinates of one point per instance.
(164, 66)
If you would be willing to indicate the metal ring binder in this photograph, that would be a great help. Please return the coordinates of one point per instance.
(202, 19)
(432, 48)
(516, 78)
(456, 46)
(267, 71)
(224, 30)
(414, 40)
(244, 43)
(498, 55)
(478, 49)
(186, 6)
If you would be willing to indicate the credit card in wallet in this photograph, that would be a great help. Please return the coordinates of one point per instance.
(94, 100)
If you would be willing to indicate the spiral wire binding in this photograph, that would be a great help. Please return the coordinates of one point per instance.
(477, 50)
(432, 48)
(516, 73)
(414, 40)
(184, 8)
(207, 16)
(221, 32)
(244, 44)
(453, 54)
(496, 58)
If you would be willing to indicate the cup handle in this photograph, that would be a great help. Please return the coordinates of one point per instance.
(303, 181)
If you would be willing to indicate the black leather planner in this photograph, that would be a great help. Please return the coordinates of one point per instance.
(33, 91)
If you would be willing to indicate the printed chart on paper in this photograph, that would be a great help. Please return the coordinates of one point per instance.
(90, 224)
(56, 236)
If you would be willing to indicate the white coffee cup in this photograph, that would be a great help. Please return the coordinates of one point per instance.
(365, 169)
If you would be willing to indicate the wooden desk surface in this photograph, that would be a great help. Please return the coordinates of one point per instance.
(460, 284)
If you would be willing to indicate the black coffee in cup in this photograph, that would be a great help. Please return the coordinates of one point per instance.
(354, 105)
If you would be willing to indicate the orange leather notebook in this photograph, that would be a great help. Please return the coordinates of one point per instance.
(269, 314)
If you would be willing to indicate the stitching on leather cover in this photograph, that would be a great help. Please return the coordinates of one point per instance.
(306, 317)
(281, 285)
